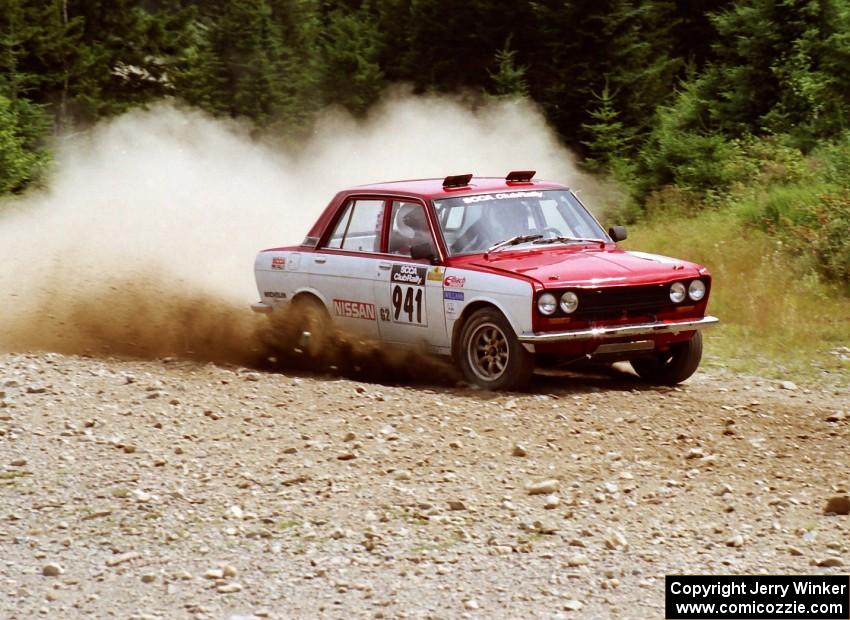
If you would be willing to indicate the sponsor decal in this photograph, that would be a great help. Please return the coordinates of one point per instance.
(454, 282)
(654, 257)
(310, 242)
(278, 262)
(407, 292)
(435, 274)
(385, 314)
(354, 309)
(451, 307)
(408, 274)
(275, 294)
(501, 196)
(453, 295)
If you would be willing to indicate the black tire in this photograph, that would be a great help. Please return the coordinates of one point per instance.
(673, 366)
(490, 355)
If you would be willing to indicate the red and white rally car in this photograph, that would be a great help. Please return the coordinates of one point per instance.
(503, 274)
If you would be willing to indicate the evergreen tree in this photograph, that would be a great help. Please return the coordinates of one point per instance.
(607, 138)
(509, 79)
(350, 48)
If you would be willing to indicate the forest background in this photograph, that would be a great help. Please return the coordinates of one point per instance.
(725, 125)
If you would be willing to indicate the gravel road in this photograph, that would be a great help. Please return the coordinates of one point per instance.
(171, 489)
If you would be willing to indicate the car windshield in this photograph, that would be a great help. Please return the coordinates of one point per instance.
(505, 220)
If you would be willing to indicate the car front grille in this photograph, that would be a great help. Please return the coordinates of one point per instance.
(625, 301)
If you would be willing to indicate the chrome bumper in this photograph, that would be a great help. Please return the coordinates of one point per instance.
(621, 331)
(261, 307)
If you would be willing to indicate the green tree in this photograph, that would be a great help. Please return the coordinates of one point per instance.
(350, 50)
(509, 78)
(608, 138)
(22, 126)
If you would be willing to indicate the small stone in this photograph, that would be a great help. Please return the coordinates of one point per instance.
(723, 489)
(229, 571)
(545, 527)
(18, 462)
(456, 504)
(788, 385)
(122, 558)
(695, 453)
(456, 445)
(830, 562)
(839, 505)
(52, 570)
(346, 456)
(148, 578)
(229, 588)
(544, 487)
(251, 376)
(349, 436)
(573, 605)
(471, 604)
(214, 573)
(36, 389)
(836, 417)
(519, 450)
(552, 502)
(402, 474)
(735, 541)
(578, 559)
(129, 448)
(794, 551)
(616, 540)
(612, 487)
(236, 512)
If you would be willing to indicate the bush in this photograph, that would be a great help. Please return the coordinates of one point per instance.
(21, 159)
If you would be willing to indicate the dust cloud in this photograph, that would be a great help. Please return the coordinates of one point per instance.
(142, 244)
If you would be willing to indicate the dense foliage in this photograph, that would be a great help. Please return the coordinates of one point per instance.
(674, 99)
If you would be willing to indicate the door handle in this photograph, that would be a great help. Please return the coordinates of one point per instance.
(384, 265)
(320, 260)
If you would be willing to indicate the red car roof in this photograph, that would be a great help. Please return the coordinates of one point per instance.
(433, 188)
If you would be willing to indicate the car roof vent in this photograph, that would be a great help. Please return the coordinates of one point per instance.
(520, 176)
(457, 180)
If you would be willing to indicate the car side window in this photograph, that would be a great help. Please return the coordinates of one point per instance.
(359, 227)
(408, 228)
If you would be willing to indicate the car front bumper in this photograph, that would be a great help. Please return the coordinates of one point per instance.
(619, 331)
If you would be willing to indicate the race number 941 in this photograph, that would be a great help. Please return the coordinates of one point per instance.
(407, 284)
(407, 304)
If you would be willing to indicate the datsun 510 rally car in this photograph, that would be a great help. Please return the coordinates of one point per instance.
(502, 274)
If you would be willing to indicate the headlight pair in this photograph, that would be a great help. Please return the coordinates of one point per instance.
(547, 303)
(695, 290)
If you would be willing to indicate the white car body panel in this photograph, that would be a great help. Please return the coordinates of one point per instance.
(389, 298)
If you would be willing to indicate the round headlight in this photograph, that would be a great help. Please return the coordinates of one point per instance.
(547, 303)
(677, 292)
(569, 302)
(696, 290)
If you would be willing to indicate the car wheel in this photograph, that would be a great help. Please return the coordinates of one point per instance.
(673, 366)
(301, 328)
(490, 355)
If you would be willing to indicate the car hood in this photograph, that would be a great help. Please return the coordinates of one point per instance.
(556, 268)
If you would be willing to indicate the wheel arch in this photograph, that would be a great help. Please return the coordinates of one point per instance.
(468, 310)
(312, 295)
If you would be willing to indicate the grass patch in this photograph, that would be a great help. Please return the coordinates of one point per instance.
(778, 317)
(286, 524)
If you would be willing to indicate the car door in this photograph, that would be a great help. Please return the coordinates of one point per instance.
(345, 268)
(409, 292)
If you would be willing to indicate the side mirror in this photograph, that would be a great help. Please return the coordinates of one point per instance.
(617, 233)
(423, 250)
